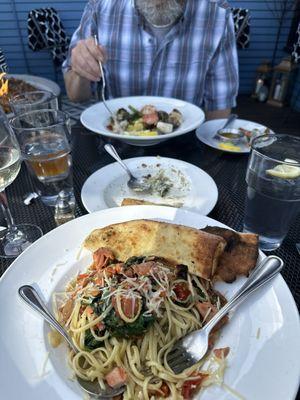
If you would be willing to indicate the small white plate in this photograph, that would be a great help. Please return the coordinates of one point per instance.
(263, 333)
(96, 117)
(193, 189)
(206, 132)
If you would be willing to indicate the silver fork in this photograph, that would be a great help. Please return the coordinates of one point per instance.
(103, 82)
(120, 129)
(192, 348)
(94, 34)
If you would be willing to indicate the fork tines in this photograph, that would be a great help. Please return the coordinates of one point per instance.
(179, 359)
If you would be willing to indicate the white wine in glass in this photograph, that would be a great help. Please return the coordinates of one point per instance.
(10, 164)
(16, 237)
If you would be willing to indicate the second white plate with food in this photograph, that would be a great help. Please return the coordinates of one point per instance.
(97, 118)
(206, 132)
(181, 185)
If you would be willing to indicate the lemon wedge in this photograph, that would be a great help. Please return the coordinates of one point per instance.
(284, 171)
(229, 146)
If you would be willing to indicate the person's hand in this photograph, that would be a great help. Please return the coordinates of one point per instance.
(85, 59)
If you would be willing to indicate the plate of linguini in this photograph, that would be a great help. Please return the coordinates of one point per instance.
(124, 305)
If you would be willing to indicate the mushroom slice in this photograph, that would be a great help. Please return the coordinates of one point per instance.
(175, 118)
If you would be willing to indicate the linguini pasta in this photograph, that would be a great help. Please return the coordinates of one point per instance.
(124, 319)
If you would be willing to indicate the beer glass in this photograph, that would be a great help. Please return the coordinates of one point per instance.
(43, 136)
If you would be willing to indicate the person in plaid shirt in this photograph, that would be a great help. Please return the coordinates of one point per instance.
(184, 49)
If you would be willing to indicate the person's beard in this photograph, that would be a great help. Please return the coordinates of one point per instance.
(161, 12)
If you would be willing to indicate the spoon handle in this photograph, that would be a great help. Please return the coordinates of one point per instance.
(262, 274)
(32, 298)
(230, 119)
(113, 152)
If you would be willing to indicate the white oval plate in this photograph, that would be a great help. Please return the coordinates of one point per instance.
(96, 117)
(206, 132)
(193, 187)
(39, 82)
(263, 333)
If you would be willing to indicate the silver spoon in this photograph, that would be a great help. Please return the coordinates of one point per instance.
(228, 122)
(136, 184)
(32, 298)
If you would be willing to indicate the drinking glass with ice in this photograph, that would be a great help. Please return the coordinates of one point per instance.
(273, 192)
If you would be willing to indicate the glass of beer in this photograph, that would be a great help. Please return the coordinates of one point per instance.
(273, 192)
(43, 136)
(30, 101)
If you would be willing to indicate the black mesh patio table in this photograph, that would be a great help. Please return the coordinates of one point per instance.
(227, 169)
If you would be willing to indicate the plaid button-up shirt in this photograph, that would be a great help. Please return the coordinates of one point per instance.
(196, 61)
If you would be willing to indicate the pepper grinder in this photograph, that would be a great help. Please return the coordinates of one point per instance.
(64, 209)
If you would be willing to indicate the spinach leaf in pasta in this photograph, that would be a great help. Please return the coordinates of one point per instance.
(90, 342)
(117, 327)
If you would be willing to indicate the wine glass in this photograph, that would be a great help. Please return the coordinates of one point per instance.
(16, 237)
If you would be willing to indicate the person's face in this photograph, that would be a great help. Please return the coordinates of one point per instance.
(161, 12)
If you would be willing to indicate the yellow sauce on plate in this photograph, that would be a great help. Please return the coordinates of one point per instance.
(229, 146)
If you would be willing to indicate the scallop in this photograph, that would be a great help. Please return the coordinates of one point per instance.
(164, 127)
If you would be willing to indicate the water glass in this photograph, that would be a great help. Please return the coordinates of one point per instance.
(30, 101)
(273, 192)
(43, 136)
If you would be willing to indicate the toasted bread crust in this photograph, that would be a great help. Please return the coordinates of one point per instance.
(198, 250)
(240, 254)
(135, 202)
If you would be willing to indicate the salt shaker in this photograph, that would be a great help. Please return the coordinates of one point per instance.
(64, 209)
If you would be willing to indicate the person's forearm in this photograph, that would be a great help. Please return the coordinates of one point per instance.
(78, 88)
(217, 114)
